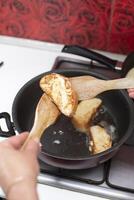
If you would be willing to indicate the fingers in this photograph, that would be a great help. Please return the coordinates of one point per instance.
(33, 147)
(131, 90)
(131, 93)
(16, 141)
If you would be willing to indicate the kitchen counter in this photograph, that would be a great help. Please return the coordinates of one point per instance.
(24, 59)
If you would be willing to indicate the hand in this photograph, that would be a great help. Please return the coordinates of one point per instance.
(18, 166)
(131, 93)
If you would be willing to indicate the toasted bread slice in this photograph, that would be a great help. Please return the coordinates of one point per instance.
(84, 113)
(60, 90)
(101, 140)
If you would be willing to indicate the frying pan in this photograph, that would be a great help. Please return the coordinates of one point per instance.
(62, 145)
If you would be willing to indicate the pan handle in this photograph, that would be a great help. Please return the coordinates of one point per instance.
(77, 50)
(9, 124)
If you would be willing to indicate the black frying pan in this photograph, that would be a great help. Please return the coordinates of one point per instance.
(62, 146)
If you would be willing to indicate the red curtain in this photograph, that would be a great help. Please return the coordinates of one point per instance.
(99, 24)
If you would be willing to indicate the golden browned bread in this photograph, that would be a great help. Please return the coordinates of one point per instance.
(60, 90)
(85, 111)
(101, 140)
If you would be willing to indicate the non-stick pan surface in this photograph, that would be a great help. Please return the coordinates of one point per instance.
(62, 145)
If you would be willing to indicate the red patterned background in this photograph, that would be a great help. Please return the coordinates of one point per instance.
(99, 24)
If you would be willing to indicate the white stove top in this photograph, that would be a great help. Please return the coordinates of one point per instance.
(23, 60)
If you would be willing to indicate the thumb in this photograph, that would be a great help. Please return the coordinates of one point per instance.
(33, 147)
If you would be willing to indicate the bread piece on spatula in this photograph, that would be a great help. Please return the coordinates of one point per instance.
(101, 140)
(60, 90)
(85, 111)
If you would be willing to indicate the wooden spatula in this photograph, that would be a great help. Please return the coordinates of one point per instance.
(88, 87)
(45, 115)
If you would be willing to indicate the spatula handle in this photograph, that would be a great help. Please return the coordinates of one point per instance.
(45, 115)
(123, 83)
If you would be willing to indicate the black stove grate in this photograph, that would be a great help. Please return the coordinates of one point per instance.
(96, 175)
(121, 170)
